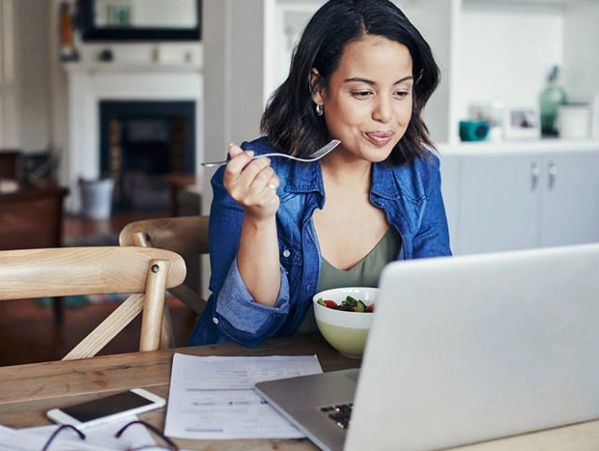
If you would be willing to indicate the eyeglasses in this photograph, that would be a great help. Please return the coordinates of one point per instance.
(57, 431)
(168, 443)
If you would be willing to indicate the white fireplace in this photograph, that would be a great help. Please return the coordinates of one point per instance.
(91, 83)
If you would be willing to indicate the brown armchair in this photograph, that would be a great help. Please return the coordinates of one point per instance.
(9, 164)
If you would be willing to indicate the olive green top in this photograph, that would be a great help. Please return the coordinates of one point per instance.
(365, 273)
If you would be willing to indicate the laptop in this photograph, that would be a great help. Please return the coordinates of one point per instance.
(461, 350)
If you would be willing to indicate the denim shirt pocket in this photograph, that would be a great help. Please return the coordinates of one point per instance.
(291, 258)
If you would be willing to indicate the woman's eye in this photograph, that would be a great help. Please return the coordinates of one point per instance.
(402, 94)
(361, 94)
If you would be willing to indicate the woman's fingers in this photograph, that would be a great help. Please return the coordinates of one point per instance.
(251, 182)
(274, 182)
(234, 150)
(250, 171)
(239, 160)
(262, 177)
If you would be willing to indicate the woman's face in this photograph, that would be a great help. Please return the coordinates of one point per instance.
(368, 102)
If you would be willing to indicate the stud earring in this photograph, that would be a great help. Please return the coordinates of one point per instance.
(319, 109)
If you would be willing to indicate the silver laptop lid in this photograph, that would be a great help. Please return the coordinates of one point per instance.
(470, 348)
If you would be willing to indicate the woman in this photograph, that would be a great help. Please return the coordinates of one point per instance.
(281, 230)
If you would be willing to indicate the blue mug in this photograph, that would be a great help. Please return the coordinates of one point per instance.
(474, 130)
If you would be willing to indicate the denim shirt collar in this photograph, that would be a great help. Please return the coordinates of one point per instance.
(307, 178)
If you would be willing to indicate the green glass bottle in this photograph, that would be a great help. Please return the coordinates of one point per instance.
(552, 96)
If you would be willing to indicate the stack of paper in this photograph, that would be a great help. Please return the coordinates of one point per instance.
(213, 398)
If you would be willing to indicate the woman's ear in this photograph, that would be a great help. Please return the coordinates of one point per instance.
(316, 87)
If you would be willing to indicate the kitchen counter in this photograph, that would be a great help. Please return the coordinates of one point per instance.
(518, 146)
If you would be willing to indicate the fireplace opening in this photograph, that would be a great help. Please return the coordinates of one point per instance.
(141, 144)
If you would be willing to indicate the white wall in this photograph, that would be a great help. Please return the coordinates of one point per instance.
(234, 45)
(581, 59)
(27, 105)
(436, 20)
(8, 81)
(287, 20)
(58, 96)
(233, 99)
(505, 53)
(32, 66)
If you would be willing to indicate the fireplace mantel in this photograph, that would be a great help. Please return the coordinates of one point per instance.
(90, 83)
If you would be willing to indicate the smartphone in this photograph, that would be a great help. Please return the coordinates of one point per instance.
(131, 402)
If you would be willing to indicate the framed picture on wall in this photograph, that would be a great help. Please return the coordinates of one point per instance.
(521, 123)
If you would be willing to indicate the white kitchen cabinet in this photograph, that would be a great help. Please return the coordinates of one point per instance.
(570, 199)
(524, 199)
(498, 203)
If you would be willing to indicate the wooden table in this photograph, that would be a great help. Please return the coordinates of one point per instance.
(28, 391)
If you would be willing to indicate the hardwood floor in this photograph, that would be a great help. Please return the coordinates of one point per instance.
(28, 332)
(81, 231)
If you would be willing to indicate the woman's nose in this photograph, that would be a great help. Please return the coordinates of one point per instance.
(383, 110)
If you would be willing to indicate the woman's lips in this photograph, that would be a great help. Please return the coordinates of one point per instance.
(379, 138)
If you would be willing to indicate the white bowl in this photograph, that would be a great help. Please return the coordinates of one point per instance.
(345, 331)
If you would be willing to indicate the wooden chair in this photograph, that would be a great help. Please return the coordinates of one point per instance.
(145, 274)
(33, 218)
(188, 236)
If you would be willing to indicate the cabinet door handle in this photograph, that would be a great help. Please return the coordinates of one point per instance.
(535, 172)
(552, 171)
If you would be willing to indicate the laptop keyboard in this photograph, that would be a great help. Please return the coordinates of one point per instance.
(340, 414)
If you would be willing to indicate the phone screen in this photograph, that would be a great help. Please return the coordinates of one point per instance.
(102, 407)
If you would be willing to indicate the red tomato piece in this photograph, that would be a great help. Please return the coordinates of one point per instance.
(330, 304)
(370, 308)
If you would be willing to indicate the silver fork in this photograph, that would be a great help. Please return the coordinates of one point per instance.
(314, 156)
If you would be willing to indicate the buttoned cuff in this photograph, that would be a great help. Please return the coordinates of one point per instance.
(236, 305)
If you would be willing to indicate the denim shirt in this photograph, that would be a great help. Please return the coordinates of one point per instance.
(410, 196)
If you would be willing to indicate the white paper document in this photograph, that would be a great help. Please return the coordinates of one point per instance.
(213, 397)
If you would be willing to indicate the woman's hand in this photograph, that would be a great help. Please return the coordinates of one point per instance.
(252, 183)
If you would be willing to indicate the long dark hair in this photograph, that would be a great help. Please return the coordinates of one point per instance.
(290, 121)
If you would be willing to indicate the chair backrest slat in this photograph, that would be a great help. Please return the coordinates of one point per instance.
(184, 235)
(35, 273)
